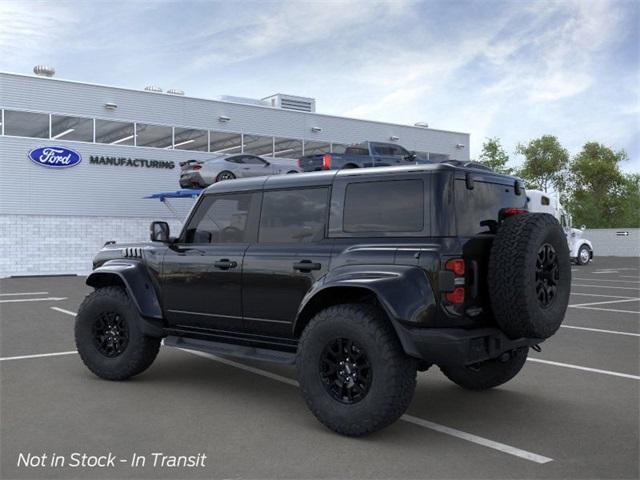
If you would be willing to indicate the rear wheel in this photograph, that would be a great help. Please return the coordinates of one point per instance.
(108, 336)
(529, 276)
(584, 255)
(488, 374)
(353, 372)
(225, 175)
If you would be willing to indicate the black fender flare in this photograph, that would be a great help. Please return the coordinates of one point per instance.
(404, 292)
(133, 277)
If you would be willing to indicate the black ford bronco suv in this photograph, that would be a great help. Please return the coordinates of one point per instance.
(359, 277)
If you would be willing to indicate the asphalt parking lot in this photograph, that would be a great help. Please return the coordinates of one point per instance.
(573, 412)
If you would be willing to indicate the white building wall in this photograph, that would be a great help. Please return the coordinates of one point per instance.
(62, 244)
(608, 242)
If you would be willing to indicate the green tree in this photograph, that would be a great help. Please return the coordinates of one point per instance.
(494, 156)
(601, 196)
(545, 163)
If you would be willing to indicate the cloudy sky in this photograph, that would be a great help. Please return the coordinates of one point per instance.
(515, 70)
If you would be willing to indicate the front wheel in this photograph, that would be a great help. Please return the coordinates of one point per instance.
(488, 374)
(353, 372)
(584, 255)
(108, 335)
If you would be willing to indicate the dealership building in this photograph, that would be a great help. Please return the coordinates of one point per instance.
(127, 144)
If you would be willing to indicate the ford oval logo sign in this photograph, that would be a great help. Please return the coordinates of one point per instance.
(55, 157)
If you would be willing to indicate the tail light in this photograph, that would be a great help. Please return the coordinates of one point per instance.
(510, 212)
(457, 296)
(196, 167)
(326, 162)
(456, 265)
(299, 162)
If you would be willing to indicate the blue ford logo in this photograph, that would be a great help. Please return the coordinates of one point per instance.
(55, 157)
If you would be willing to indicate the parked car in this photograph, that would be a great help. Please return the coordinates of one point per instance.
(202, 173)
(358, 277)
(580, 249)
(366, 154)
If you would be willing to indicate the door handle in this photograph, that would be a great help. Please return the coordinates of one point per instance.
(306, 266)
(225, 264)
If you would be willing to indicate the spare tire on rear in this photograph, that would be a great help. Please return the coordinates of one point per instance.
(529, 276)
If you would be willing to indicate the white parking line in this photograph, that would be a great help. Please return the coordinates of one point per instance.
(628, 276)
(632, 299)
(23, 293)
(605, 272)
(606, 286)
(62, 310)
(598, 295)
(609, 310)
(599, 330)
(517, 452)
(606, 280)
(48, 299)
(40, 355)
(586, 369)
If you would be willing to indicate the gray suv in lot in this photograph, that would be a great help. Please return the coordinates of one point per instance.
(359, 278)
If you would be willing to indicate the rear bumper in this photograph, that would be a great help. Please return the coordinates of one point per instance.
(190, 180)
(458, 346)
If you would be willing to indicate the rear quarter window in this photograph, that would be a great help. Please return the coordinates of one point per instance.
(482, 203)
(392, 206)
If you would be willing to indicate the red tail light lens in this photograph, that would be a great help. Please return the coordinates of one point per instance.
(457, 296)
(510, 212)
(326, 162)
(196, 167)
(456, 266)
(299, 162)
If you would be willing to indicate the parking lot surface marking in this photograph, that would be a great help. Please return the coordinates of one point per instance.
(62, 310)
(47, 299)
(40, 355)
(606, 286)
(485, 442)
(605, 302)
(607, 309)
(607, 280)
(23, 293)
(598, 295)
(628, 276)
(599, 330)
(586, 369)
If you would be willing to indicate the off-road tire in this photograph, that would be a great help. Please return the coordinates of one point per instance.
(488, 374)
(140, 351)
(579, 260)
(514, 276)
(393, 373)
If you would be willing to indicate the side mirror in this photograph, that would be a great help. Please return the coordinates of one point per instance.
(159, 232)
(583, 228)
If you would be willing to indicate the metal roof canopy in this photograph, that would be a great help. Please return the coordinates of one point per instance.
(184, 193)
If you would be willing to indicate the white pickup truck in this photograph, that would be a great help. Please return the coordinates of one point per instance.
(580, 248)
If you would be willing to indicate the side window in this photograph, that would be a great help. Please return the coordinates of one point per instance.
(293, 216)
(385, 206)
(400, 152)
(251, 160)
(235, 160)
(222, 219)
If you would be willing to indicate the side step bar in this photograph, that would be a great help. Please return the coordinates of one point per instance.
(241, 351)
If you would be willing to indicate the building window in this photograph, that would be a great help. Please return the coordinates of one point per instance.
(114, 133)
(71, 128)
(386, 206)
(293, 216)
(157, 136)
(258, 145)
(316, 148)
(225, 142)
(26, 124)
(190, 139)
(287, 148)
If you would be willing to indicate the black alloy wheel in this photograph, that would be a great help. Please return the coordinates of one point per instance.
(225, 176)
(547, 275)
(345, 371)
(110, 334)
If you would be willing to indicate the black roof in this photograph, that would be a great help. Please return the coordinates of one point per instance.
(309, 179)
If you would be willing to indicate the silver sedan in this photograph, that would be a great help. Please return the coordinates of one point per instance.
(202, 173)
